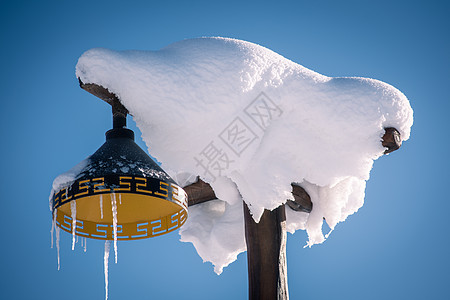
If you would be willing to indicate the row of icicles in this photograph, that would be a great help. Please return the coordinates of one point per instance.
(73, 208)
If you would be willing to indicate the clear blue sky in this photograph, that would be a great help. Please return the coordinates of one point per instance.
(395, 247)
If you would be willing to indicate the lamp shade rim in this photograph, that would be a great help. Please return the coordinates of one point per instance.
(169, 213)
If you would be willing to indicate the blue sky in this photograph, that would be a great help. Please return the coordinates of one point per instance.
(395, 247)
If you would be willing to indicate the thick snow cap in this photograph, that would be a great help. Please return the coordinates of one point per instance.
(251, 122)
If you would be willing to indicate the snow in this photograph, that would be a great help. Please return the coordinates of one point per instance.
(53, 228)
(58, 234)
(251, 122)
(64, 180)
(216, 228)
(73, 210)
(114, 214)
(105, 266)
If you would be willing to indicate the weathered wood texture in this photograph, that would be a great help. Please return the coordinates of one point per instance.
(302, 200)
(391, 140)
(266, 255)
(104, 94)
(199, 192)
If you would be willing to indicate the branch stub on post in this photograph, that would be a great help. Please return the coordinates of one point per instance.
(391, 140)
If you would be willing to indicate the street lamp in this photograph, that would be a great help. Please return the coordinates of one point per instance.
(265, 239)
(120, 193)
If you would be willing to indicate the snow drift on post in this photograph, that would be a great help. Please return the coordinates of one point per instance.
(251, 122)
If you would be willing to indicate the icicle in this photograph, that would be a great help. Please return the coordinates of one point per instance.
(57, 245)
(81, 241)
(73, 209)
(114, 213)
(101, 206)
(85, 241)
(53, 227)
(120, 198)
(105, 263)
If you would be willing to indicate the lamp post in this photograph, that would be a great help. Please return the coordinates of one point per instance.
(265, 240)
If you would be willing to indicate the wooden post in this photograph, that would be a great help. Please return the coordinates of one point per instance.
(266, 255)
